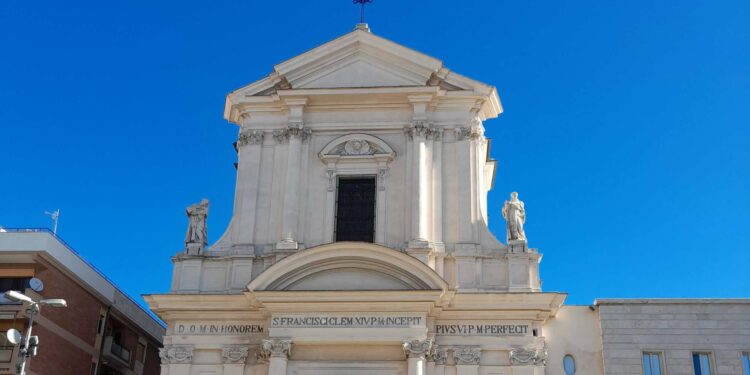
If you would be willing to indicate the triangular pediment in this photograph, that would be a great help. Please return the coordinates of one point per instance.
(359, 71)
(361, 59)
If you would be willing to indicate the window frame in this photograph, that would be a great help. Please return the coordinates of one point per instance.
(662, 362)
(355, 176)
(745, 354)
(711, 364)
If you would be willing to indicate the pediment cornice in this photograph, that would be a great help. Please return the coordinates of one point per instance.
(358, 63)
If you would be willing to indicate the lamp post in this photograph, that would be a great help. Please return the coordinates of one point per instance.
(30, 343)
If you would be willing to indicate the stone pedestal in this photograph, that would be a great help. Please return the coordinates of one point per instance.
(518, 246)
(194, 248)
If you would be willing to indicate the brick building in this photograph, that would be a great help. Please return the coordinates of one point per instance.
(102, 331)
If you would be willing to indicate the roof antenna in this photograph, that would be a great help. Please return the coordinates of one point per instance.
(362, 25)
(54, 215)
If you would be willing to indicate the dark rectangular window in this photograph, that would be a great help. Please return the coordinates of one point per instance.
(355, 209)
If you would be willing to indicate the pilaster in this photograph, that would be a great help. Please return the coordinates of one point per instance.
(467, 359)
(234, 358)
(249, 145)
(176, 359)
(295, 133)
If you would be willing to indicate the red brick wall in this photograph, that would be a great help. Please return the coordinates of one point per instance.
(81, 317)
(57, 356)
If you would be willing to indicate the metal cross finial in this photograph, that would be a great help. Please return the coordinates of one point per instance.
(362, 9)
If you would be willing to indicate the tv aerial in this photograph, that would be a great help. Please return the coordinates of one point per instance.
(54, 215)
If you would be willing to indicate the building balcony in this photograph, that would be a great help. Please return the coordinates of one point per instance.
(115, 354)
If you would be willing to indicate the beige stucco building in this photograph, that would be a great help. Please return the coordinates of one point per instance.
(359, 241)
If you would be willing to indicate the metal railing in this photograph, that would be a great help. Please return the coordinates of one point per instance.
(119, 351)
(53, 234)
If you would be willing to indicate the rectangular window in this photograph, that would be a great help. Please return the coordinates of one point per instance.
(355, 209)
(746, 362)
(652, 363)
(140, 353)
(702, 363)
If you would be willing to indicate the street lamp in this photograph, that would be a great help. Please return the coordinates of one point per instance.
(30, 343)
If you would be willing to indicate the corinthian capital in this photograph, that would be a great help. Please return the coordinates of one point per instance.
(417, 348)
(467, 355)
(234, 354)
(418, 128)
(250, 137)
(275, 348)
(437, 355)
(474, 132)
(435, 134)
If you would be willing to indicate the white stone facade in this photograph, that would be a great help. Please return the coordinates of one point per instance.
(435, 293)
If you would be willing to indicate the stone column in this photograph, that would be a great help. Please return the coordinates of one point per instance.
(249, 145)
(467, 359)
(420, 196)
(176, 360)
(234, 359)
(416, 352)
(277, 352)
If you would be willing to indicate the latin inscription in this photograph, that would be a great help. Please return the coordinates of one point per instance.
(374, 321)
(219, 329)
(482, 329)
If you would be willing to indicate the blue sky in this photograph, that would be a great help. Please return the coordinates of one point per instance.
(626, 127)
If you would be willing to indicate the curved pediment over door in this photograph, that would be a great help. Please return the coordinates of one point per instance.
(348, 266)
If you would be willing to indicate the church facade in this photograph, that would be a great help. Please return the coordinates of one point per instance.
(359, 240)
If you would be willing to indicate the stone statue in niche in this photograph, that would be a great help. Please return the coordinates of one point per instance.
(515, 216)
(196, 238)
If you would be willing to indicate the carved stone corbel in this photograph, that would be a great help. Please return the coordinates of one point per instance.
(234, 354)
(176, 354)
(417, 348)
(331, 173)
(382, 171)
(467, 355)
(275, 348)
